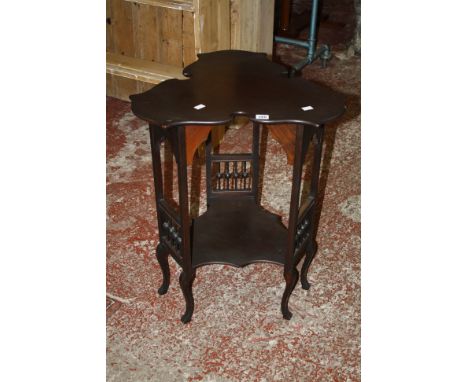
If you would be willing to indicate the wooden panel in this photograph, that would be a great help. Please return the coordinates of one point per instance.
(122, 28)
(109, 84)
(171, 38)
(172, 32)
(212, 25)
(194, 136)
(127, 75)
(266, 18)
(286, 136)
(252, 25)
(141, 70)
(158, 34)
(186, 5)
(121, 87)
(235, 24)
(108, 27)
(217, 134)
(188, 38)
(144, 86)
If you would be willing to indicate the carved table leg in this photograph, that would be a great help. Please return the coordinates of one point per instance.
(188, 273)
(186, 282)
(310, 253)
(162, 255)
(291, 281)
(162, 252)
(291, 274)
(312, 245)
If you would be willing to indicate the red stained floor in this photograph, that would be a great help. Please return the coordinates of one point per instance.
(237, 332)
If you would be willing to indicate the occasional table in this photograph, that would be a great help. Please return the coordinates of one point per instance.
(236, 229)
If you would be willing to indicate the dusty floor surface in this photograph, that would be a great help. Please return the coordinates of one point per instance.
(237, 332)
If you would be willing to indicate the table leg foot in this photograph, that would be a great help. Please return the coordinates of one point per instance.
(186, 282)
(310, 253)
(291, 281)
(161, 255)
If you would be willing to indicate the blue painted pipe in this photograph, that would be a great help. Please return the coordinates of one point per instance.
(311, 42)
(292, 41)
(313, 30)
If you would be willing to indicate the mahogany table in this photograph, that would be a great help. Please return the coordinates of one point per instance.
(236, 229)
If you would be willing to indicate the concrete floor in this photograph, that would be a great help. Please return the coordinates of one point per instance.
(237, 332)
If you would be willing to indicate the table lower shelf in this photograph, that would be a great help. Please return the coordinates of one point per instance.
(238, 232)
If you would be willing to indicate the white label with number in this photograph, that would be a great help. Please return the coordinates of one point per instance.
(306, 108)
(200, 106)
(262, 116)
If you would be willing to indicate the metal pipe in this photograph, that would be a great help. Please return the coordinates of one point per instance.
(292, 41)
(313, 30)
(310, 44)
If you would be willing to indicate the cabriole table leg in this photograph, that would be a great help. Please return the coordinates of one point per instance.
(291, 274)
(313, 193)
(188, 273)
(162, 255)
(186, 282)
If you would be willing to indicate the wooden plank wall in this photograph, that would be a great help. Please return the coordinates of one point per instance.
(212, 25)
(121, 27)
(121, 87)
(151, 33)
(189, 53)
(252, 25)
(174, 33)
(155, 34)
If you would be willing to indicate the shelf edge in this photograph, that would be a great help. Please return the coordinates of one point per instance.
(178, 5)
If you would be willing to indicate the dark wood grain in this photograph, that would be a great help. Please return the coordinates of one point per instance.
(238, 232)
(236, 229)
(161, 255)
(285, 135)
(234, 83)
(194, 136)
